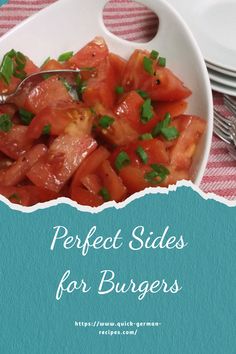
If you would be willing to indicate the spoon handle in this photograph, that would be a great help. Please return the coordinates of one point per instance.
(3, 99)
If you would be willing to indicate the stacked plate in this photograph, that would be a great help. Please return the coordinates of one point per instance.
(213, 23)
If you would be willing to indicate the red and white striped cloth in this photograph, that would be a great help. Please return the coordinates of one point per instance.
(135, 22)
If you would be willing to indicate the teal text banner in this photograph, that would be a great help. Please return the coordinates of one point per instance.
(156, 276)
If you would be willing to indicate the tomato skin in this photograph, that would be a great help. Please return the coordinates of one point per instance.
(8, 109)
(101, 89)
(46, 92)
(91, 55)
(15, 142)
(163, 86)
(118, 65)
(62, 159)
(27, 195)
(112, 182)
(17, 171)
(84, 197)
(52, 64)
(191, 129)
(133, 178)
(175, 108)
(88, 166)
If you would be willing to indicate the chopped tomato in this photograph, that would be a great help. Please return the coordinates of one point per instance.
(8, 109)
(89, 166)
(92, 182)
(15, 142)
(17, 171)
(133, 178)
(52, 64)
(112, 182)
(130, 110)
(84, 197)
(71, 118)
(91, 55)
(174, 108)
(118, 65)
(46, 92)
(101, 88)
(161, 84)
(64, 156)
(191, 129)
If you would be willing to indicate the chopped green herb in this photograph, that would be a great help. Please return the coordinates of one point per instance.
(163, 128)
(66, 84)
(119, 90)
(105, 122)
(142, 154)
(154, 54)
(7, 68)
(170, 133)
(46, 129)
(26, 116)
(45, 61)
(20, 61)
(146, 111)
(105, 194)
(14, 197)
(147, 64)
(19, 74)
(146, 136)
(81, 85)
(157, 175)
(143, 94)
(162, 61)
(5, 123)
(65, 56)
(46, 76)
(163, 124)
(122, 160)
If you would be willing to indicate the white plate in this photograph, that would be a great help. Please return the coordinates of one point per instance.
(70, 24)
(220, 70)
(222, 78)
(223, 88)
(214, 24)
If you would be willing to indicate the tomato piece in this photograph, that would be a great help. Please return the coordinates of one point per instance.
(84, 197)
(15, 142)
(29, 68)
(8, 109)
(175, 176)
(62, 159)
(46, 92)
(92, 182)
(112, 182)
(71, 118)
(129, 109)
(52, 64)
(88, 166)
(17, 171)
(27, 195)
(118, 65)
(174, 108)
(191, 129)
(101, 88)
(162, 85)
(133, 178)
(91, 55)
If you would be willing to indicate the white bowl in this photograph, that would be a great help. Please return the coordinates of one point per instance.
(69, 24)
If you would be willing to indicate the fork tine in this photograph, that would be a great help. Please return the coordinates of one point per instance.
(231, 99)
(222, 123)
(231, 107)
(227, 121)
(224, 131)
(221, 135)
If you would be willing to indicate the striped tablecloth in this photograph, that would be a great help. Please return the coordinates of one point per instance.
(134, 22)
